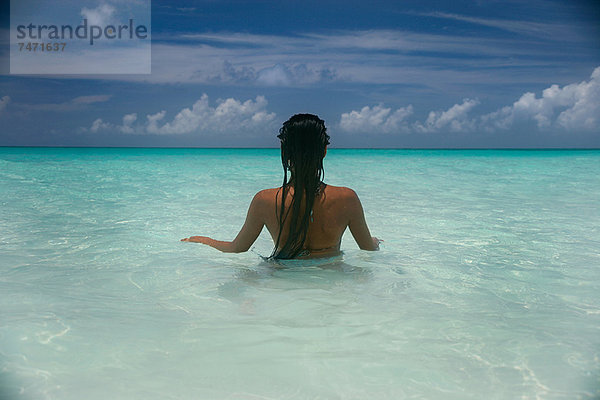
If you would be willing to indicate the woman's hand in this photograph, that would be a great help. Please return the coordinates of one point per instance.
(197, 239)
(376, 242)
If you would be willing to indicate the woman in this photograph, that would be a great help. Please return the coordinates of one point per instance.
(305, 217)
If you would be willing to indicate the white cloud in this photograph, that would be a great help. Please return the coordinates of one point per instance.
(277, 75)
(4, 102)
(100, 15)
(128, 121)
(572, 107)
(99, 124)
(152, 121)
(584, 113)
(280, 74)
(453, 119)
(377, 119)
(229, 116)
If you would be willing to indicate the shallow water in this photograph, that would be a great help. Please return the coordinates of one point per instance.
(486, 286)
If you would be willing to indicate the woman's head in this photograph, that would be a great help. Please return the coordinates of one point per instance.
(304, 141)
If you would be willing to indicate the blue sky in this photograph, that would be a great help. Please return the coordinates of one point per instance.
(400, 74)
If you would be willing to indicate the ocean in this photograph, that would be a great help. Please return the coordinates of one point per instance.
(487, 285)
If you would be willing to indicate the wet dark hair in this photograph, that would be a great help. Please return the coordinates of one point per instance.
(303, 141)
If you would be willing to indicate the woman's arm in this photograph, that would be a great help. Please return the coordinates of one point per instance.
(247, 235)
(358, 224)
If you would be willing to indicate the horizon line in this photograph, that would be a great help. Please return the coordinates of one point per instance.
(330, 148)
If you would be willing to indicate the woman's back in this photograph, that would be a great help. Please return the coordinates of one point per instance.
(335, 208)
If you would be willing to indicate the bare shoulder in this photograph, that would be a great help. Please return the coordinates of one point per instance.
(263, 193)
(267, 193)
(341, 192)
(343, 198)
(266, 196)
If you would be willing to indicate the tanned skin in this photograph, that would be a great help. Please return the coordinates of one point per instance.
(335, 209)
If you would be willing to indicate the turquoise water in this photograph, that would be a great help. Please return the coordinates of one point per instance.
(487, 285)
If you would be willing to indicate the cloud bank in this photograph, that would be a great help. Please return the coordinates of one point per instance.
(574, 107)
(376, 119)
(454, 119)
(228, 116)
